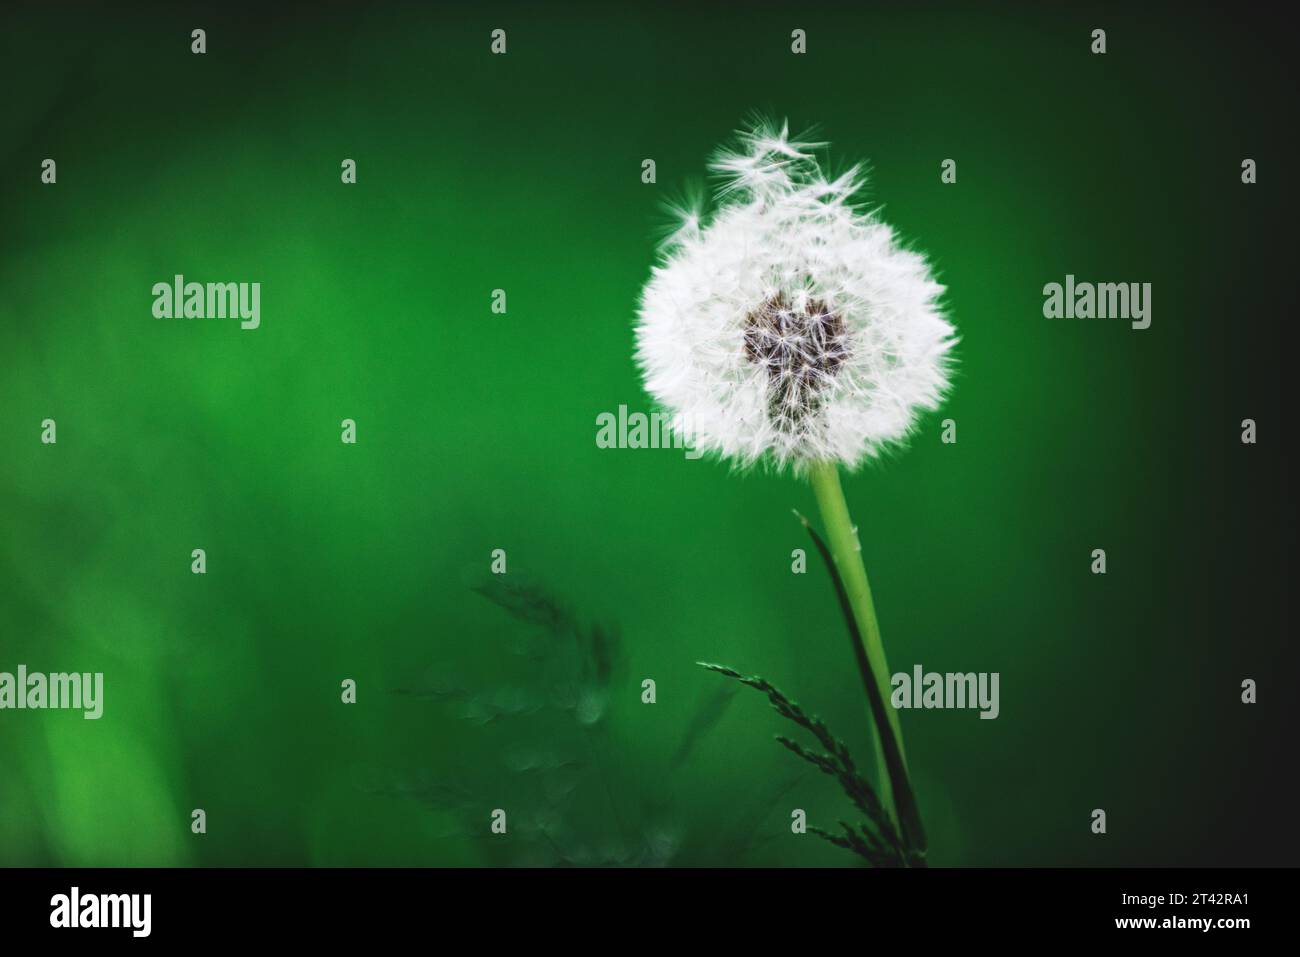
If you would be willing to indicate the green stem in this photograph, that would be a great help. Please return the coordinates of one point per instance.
(846, 552)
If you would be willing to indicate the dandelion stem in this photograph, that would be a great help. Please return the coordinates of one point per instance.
(846, 552)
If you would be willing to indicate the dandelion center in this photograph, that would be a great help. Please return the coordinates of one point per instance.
(801, 348)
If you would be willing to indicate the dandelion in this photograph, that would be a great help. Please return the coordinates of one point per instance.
(790, 327)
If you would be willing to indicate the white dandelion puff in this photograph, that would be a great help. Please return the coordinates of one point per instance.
(789, 324)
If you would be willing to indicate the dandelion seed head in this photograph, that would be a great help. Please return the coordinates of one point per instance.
(788, 324)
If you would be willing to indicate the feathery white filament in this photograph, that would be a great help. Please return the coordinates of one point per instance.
(790, 325)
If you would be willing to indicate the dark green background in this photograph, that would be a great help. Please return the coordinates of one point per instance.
(476, 431)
